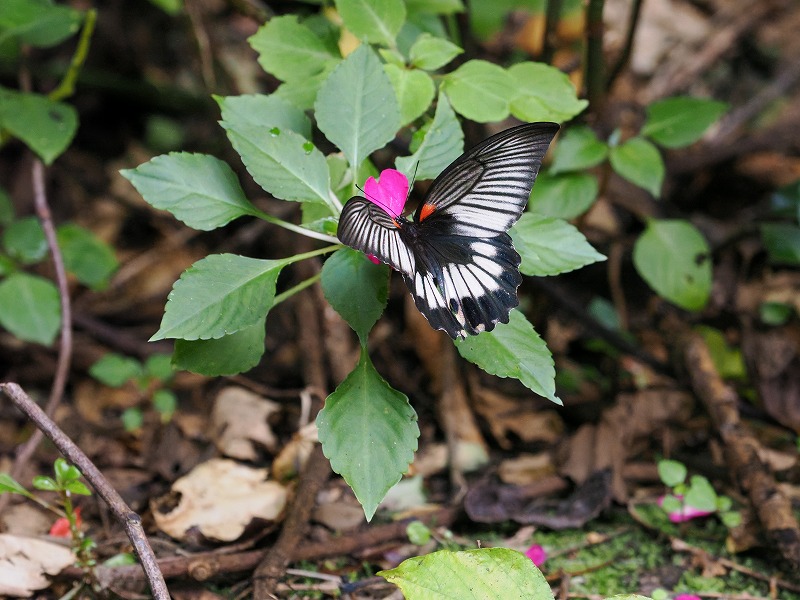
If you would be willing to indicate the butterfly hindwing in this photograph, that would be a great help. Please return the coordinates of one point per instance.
(456, 256)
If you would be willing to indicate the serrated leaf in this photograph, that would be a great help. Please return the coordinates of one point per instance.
(115, 370)
(302, 93)
(639, 161)
(259, 110)
(674, 259)
(219, 295)
(578, 148)
(480, 91)
(356, 107)
(549, 246)
(479, 574)
(377, 21)
(431, 53)
(86, 256)
(45, 126)
(514, 349)
(414, 90)
(282, 162)
(24, 240)
(442, 144)
(229, 355)
(437, 7)
(356, 288)
(290, 50)
(369, 433)
(678, 122)
(30, 308)
(565, 196)
(39, 23)
(782, 241)
(198, 189)
(543, 93)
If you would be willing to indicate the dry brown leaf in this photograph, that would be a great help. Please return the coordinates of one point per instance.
(26, 519)
(526, 468)
(506, 415)
(26, 562)
(239, 422)
(219, 498)
(289, 462)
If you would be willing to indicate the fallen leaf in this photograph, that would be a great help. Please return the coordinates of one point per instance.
(239, 423)
(26, 562)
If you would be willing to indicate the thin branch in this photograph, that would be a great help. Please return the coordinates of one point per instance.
(627, 48)
(129, 519)
(552, 17)
(595, 69)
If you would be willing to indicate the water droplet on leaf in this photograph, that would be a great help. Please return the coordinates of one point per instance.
(275, 131)
(308, 147)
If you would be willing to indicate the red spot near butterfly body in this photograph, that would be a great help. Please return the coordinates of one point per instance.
(427, 211)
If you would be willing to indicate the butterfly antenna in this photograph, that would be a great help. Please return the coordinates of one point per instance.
(376, 201)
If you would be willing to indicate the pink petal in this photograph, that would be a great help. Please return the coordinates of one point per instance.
(537, 554)
(390, 192)
(373, 259)
(686, 513)
(687, 597)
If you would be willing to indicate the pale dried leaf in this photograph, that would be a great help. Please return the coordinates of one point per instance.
(239, 422)
(26, 562)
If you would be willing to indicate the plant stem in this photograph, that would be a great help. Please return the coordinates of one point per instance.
(625, 54)
(552, 15)
(293, 290)
(66, 88)
(296, 228)
(595, 77)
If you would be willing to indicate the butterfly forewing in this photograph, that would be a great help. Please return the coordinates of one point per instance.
(456, 256)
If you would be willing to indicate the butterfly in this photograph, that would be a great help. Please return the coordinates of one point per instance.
(455, 254)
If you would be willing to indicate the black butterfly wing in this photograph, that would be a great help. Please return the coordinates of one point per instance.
(484, 191)
(365, 226)
(465, 285)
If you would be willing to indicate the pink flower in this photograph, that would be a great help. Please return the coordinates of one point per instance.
(685, 512)
(390, 192)
(537, 554)
(61, 526)
(687, 597)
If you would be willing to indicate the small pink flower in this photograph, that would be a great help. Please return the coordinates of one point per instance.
(537, 554)
(687, 597)
(60, 527)
(685, 513)
(390, 192)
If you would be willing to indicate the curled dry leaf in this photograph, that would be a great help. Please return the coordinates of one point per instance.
(25, 564)
(289, 462)
(239, 422)
(219, 498)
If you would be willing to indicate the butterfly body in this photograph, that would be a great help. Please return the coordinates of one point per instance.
(455, 255)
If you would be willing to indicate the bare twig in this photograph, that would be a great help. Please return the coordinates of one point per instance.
(630, 34)
(552, 16)
(129, 519)
(595, 67)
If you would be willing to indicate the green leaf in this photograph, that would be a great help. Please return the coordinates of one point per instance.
(159, 367)
(414, 90)
(671, 472)
(289, 50)
(38, 23)
(65, 472)
(78, 487)
(674, 259)
(282, 162)
(45, 126)
(784, 202)
(24, 240)
(638, 161)
(198, 189)
(479, 574)
(701, 494)
(431, 53)
(10, 485)
(437, 7)
(219, 295)
(549, 246)
(727, 359)
(782, 242)
(578, 148)
(514, 349)
(132, 418)
(165, 402)
(30, 308)
(678, 122)
(418, 533)
(356, 107)
(115, 370)
(258, 110)
(356, 288)
(442, 144)
(377, 21)
(565, 196)
(229, 355)
(171, 7)
(90, 259)
(774, 313)
(369, 433)
(543, 93)
(302, 93)
(47, 484)
(480, 90)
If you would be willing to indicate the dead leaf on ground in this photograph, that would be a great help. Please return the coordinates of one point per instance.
(526, 468)
(240, 423)
(219, 498)
(26, 562)
(290, 460)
